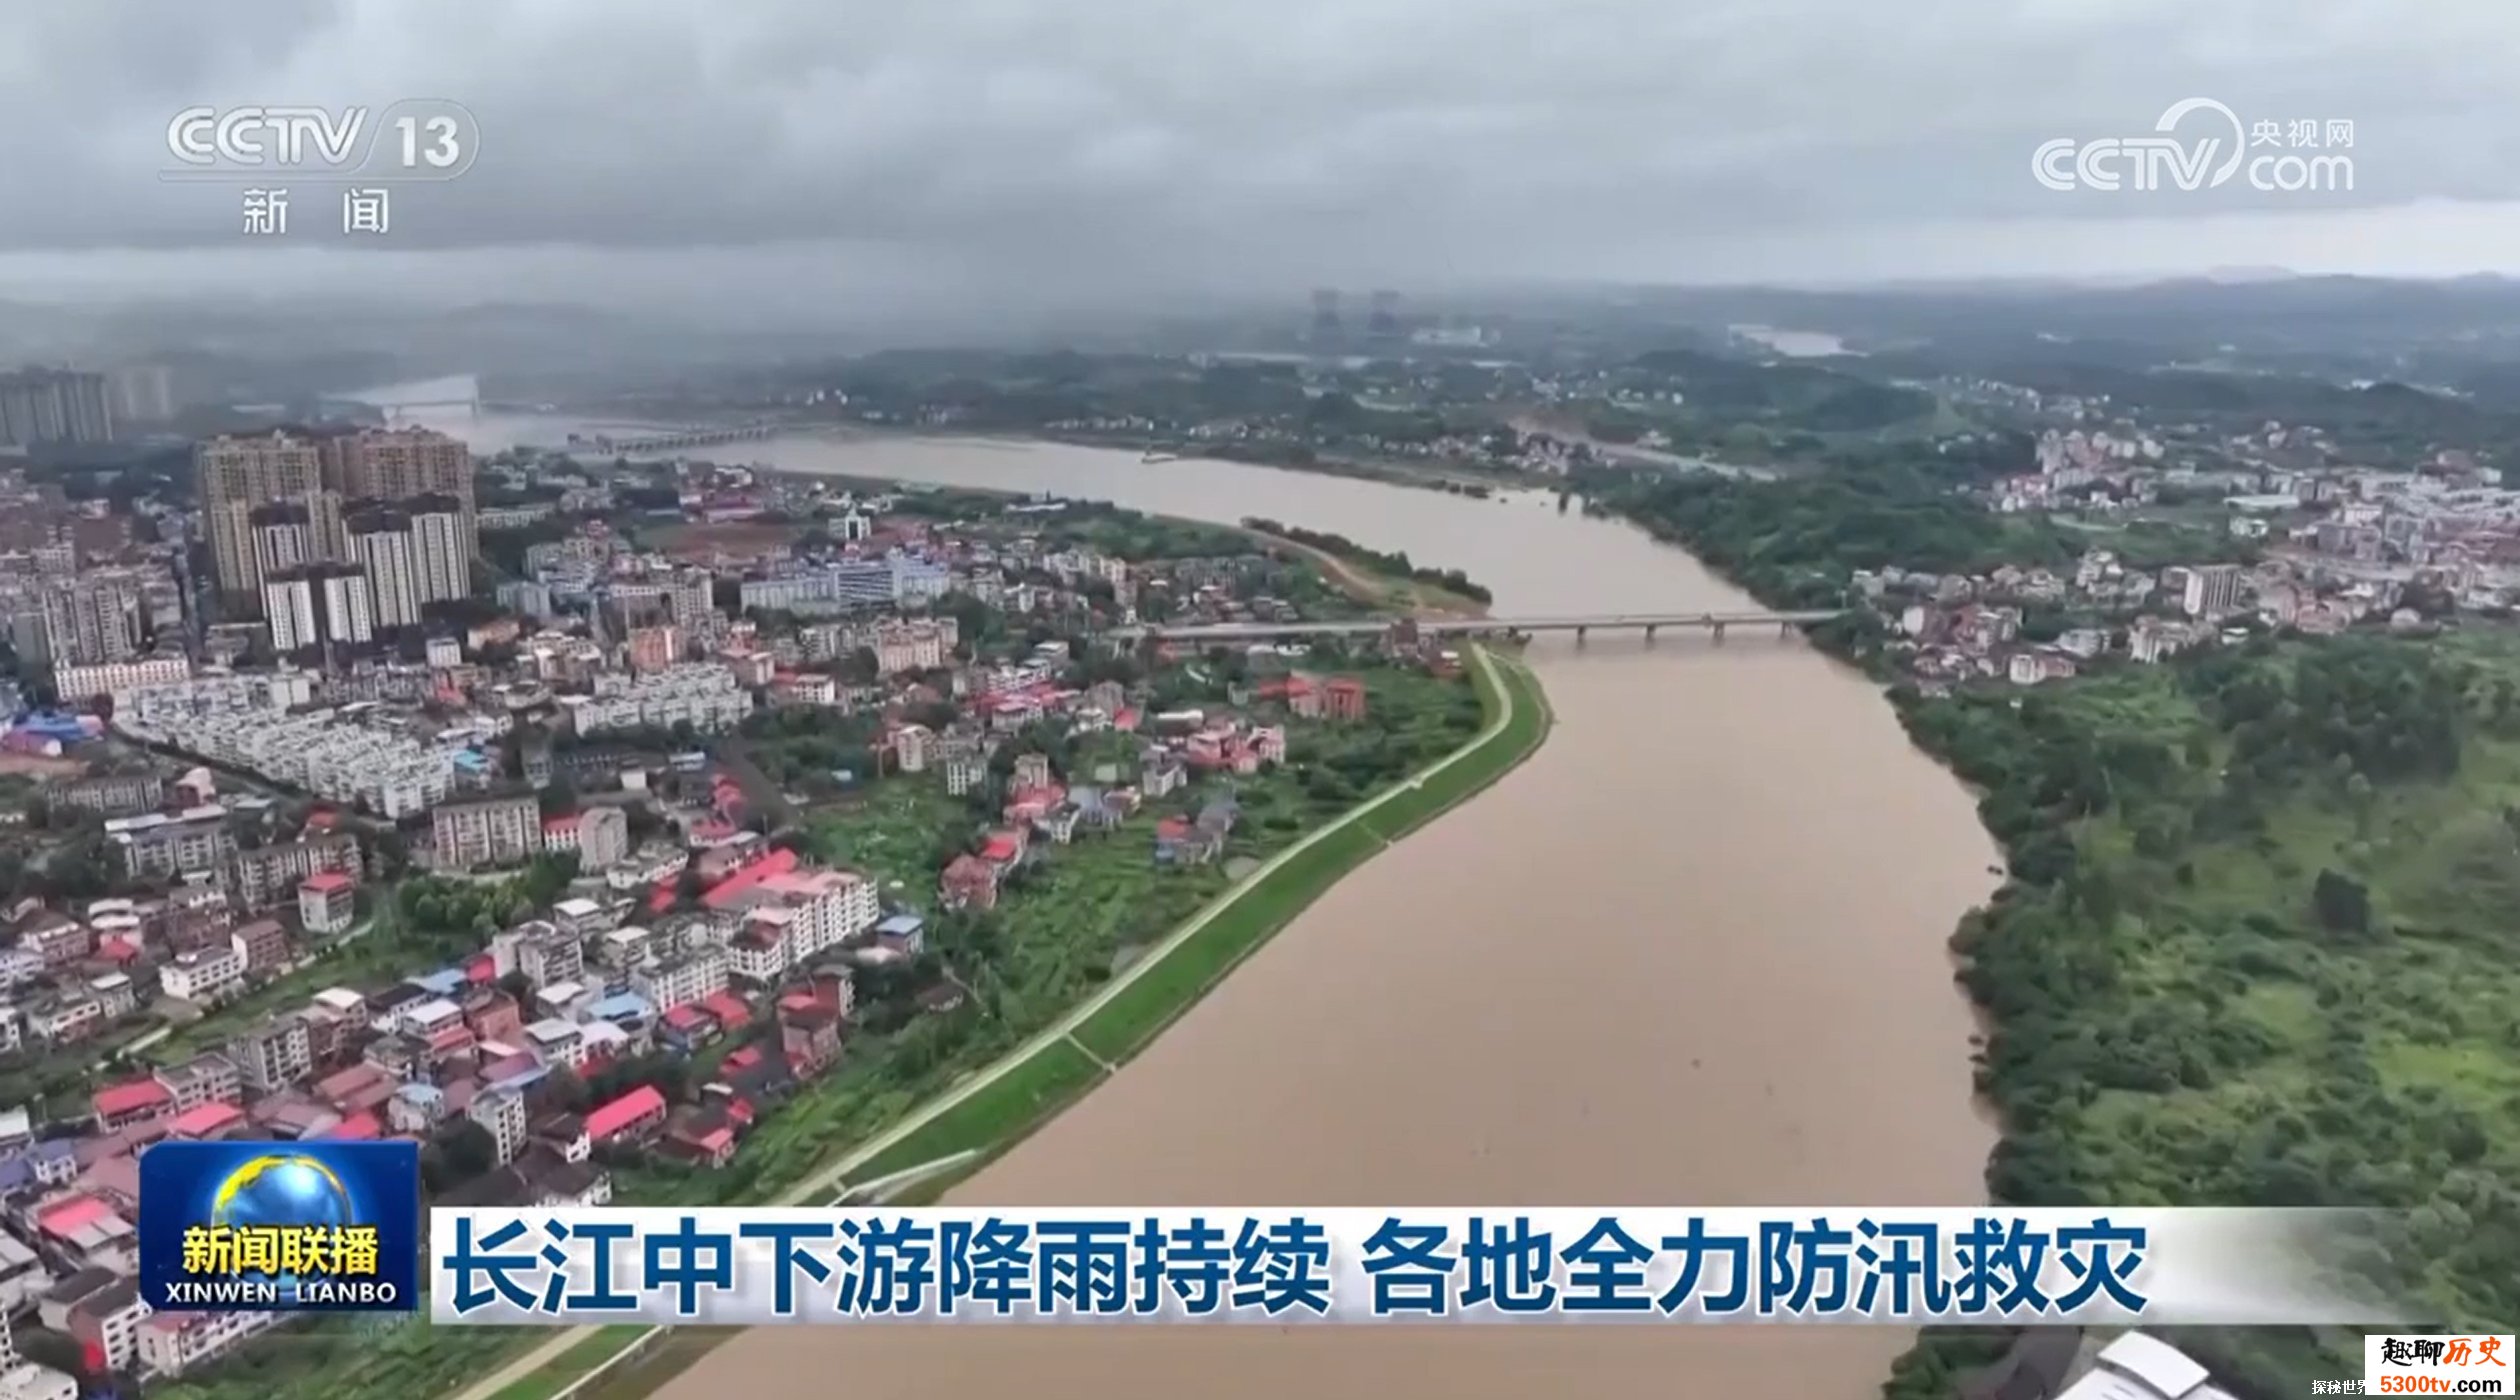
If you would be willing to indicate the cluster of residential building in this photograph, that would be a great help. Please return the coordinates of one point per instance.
(618, 973)
(1952, 628)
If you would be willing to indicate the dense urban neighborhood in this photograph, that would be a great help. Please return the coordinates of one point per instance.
(749, 806)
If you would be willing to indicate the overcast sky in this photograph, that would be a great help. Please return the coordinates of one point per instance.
(747, 150)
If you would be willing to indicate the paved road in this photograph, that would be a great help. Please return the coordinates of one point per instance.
(825, 1184)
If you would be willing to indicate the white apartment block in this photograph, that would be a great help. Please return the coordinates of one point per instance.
(912, 646)
(441, 559)
(849, 585)
(119, 678)
(789, 920)
(501, 1113)
(556, 1042)
(22, 1281)
(494, 831)
(272, 1055)
(393, 583)
(702, 694)
(319, 751)
(120, 1318)
(680, 981)
(759, 951)
(204, 975)
(603, 838)
(176, 1342)
(187, 699)
(832, 906)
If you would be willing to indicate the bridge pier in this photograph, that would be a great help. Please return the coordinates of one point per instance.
(1718, 629)
(1650, 629)
(1580, 633)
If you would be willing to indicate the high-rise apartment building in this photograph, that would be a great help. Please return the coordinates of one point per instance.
(141, 393)
(283, 537)
(2213, 591)
(380, 544)
(422, 476)
(318, 605)
(486, 831)
(236, 476)
(693, 602)
(397, 464)
(54, 405)
(94, 618)
(441, 552)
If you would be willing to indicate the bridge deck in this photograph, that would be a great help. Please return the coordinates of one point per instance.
(1458, 626)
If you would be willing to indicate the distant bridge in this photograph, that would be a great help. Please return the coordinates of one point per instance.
(398, 401)
(1581, 625)
(700, 435)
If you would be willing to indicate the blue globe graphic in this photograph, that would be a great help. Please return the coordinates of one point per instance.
(281, 1190)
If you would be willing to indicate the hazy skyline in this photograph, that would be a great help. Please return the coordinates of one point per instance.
(892, 157)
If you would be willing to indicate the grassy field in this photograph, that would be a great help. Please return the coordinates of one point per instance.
(890, 831)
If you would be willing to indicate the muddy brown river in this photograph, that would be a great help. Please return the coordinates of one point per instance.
(1691, 953)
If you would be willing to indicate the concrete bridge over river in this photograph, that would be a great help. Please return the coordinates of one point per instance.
(1582, 625)
(672, 439)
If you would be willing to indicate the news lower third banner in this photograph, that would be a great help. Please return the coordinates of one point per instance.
(280, 1226)
(1850, 1265)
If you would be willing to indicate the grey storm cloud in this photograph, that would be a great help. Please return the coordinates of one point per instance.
(1066, 136)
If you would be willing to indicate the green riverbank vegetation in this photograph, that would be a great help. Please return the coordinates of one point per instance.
(2256, 943)
(1375, 561)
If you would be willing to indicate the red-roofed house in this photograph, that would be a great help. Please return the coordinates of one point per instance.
(1346, 698)
(969, 883)
(728, 1009)
(705, 1136)
(358, 1127)
(632, 1117)
(686, 1026)
(515, 1066)
(707, 1147)
(1003, 848)
(207, 1123)
(135, 1101)
(360, 1086)
(733, 887)
(88, 1229)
